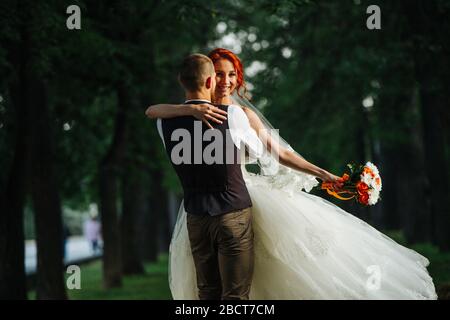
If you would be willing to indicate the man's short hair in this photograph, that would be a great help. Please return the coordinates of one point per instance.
(194, 71)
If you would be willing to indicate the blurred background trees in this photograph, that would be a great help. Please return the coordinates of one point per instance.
(73, 130)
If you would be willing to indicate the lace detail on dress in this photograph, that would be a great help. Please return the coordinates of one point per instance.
(287, 180)
(319, 245)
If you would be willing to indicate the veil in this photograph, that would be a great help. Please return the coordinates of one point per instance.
(277, 174)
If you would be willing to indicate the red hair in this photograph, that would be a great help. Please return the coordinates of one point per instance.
(221, 53)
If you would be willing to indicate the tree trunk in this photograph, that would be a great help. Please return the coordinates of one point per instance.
(46, 203)
(154, 238)
(146, 230)
(402, 167)
(152, 218)
(133, 194)
(109, 173)
(112, 266)
(436, 165)
(412, 200)
(144, 227)
(12, 250)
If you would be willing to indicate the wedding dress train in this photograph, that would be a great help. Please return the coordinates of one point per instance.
(308, 248)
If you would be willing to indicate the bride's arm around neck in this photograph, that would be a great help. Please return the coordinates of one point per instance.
(164, 110)
(204, 112)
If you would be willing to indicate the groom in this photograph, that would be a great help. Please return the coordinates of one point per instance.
(218, 205)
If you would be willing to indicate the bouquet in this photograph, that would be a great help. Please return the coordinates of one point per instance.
(362, 183)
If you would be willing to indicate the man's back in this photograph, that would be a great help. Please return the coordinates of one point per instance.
(212, 183)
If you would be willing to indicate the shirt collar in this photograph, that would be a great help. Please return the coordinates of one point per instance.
(200, 100)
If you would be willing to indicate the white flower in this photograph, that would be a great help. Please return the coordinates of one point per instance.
(374, 195)
(377, 186)
(373, 167)
(374, 184)
(366, 178)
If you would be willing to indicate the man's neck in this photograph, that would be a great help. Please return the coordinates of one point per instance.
(198, 96)
(223, 100)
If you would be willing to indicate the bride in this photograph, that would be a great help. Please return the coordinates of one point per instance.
(305, 247)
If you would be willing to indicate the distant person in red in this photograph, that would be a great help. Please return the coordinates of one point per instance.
(92, 232)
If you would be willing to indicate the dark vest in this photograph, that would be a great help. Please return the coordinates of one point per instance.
(212, 189)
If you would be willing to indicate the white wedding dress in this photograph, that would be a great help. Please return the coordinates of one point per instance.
(309, 248)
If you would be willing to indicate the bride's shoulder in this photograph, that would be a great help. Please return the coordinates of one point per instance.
(236, 111)
(235, 106)
(238, 108)
(251, 115)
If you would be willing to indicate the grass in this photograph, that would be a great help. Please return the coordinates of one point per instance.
(153, 285)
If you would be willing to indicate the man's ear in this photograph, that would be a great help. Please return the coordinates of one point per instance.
(208, 83)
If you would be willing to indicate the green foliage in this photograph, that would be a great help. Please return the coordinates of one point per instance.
(439, 267)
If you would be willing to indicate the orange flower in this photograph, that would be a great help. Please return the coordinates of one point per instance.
(345, 177)
(364, 198)
(362, 187)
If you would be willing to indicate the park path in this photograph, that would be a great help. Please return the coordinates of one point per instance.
(78, 248)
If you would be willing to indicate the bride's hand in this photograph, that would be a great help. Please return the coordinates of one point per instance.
(335, 180)
(207, 112)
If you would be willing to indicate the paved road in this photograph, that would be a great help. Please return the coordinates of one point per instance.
(77, 248)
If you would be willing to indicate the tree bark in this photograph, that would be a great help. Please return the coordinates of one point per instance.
(13, 193)
(412, 200)
(436, 165)
(155, 205)
(146, 230)
(112, 266)
(12, 250)
(46, 203)
(109, 172)
(133, 195)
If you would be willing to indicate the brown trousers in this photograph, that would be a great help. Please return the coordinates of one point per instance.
(222, 247)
